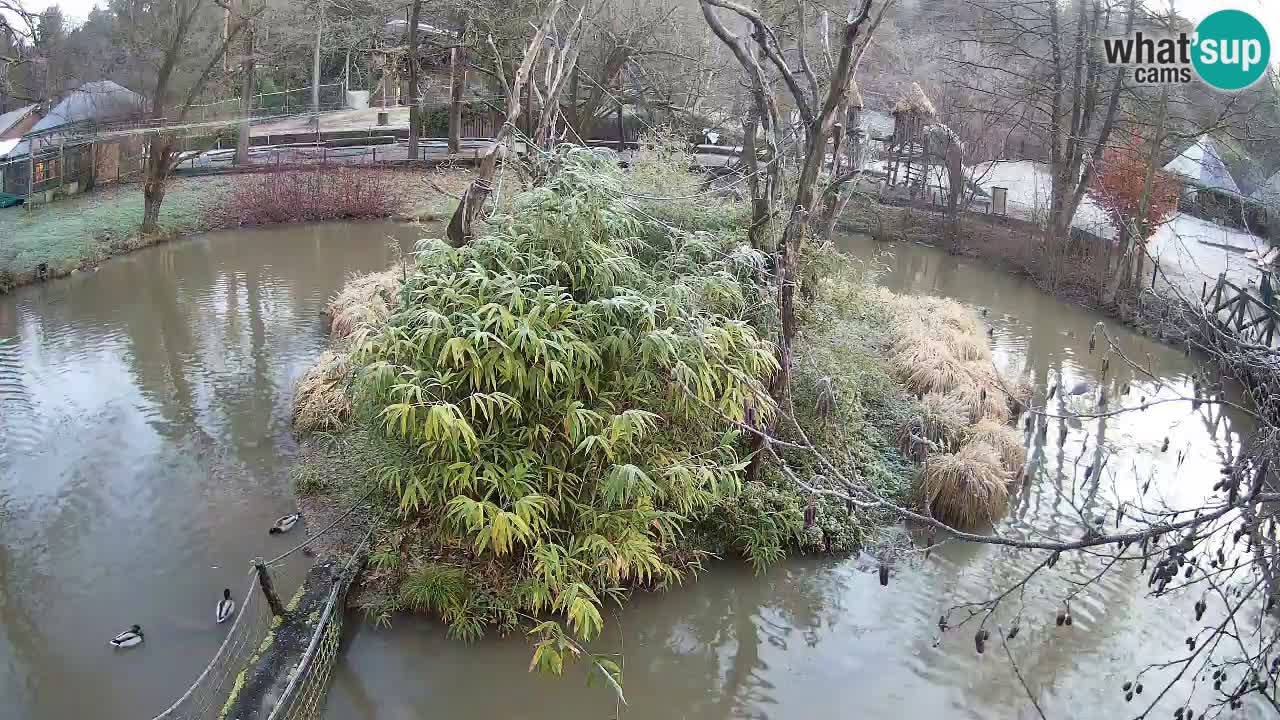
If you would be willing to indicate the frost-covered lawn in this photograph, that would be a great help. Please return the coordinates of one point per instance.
(89, 227)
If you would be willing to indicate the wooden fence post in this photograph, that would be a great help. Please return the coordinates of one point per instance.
(268, 587)
(622, 130)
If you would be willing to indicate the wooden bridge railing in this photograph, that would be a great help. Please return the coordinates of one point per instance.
(1246, 314)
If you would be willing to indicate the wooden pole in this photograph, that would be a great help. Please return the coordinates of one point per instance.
(268, 587)
(622, 131)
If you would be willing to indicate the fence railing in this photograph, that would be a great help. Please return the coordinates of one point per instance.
(1250, 317)
(266, 105)
(215, 689)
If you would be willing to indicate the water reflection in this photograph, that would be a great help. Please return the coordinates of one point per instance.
(820, 638)
(144, 450)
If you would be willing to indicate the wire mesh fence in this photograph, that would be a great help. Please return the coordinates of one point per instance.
(303, 698)
(266, 105)
(71, 167)
(205, 697)
(249, 642)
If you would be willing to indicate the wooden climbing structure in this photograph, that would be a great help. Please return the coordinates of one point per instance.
(908, 151)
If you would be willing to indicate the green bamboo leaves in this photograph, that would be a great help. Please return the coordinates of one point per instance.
(538, 382)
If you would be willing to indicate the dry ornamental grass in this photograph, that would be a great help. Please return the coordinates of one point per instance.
(939, 352)
(364, 300)
(967, 488)
(322, 400)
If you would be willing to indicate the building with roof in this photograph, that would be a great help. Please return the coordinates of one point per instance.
(58, 153)
(1201, 167)
(1209, 191)
(16, 123)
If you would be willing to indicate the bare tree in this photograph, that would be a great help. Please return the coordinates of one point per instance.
(179, 36)
(248, 68)
(818, 114)
(462, 223)
(1034, 55)
(457, 83)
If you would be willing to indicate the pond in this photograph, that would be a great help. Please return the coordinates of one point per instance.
(145, 447)
(821, 637)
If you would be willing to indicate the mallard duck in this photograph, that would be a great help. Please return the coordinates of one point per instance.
(129, 638)
(226, 606)
(285, 524)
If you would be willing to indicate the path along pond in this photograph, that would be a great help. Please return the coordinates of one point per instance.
(145, 448)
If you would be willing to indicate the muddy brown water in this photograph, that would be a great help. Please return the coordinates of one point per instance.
(144, 451)
(145, 448)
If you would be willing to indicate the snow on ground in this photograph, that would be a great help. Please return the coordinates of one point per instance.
(1193, 251)
(1029, 185)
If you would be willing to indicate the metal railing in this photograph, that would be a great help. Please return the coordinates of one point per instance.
(265, 105)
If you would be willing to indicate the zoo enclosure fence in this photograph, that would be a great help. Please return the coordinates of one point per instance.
(249, 637)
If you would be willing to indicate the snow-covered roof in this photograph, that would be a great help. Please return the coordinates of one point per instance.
(13, 117)
(101, 100)
(7, 146)
(1201, 164)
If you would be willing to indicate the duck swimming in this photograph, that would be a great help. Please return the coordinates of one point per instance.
(226, 606)
(129, 638)
(285, 524)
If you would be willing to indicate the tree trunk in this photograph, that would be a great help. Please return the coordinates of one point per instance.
(154, 187)
(751, 166)
(315, 69)
(457, 81)
(461, 224)
(415, 121)
(247, 70)
(575, 121)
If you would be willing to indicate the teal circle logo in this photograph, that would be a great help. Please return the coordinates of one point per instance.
(1231, 50)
